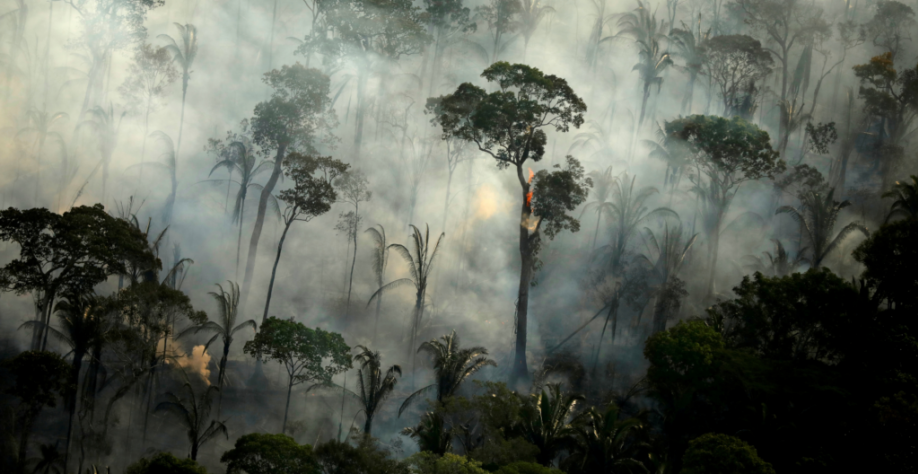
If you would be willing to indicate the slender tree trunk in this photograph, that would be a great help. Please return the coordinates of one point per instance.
(687, 101)
(178, 143)
(368, 425)
(239, 238)
(24, 437)
(72, 402)
(715, 242)
(260, 219)
(41, 149)
(194, 450)
(363, 74)
(271, 42)
(350, 284)
(287, 407)
(143, 148)
(15, 46)
(644, 103)
(596, 232)
(520, 369)
(280, 247)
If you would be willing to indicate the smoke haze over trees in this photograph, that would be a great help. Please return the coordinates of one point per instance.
(523, 235)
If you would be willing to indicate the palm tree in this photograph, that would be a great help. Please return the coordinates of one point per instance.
(669, 252)
(169, 166)
(50, 462)
(420, 263)
(780, 263)
(906, 199)
(375, 386)
(103, 125)
(380, 261)
(431, 434)
(225, 326)
(604, 443)
(603, 182)
(546, 421)
(184, 55)
(40, 124)
(628, 211)
(817, 216)
(531, 13)
(194, 413)
(80, 328)
(237, 158)
(687, 42)
(452, 366)
(642, 27)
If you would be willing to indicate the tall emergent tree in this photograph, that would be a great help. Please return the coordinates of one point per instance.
(297, 116)
(509, 124)
(312, 195)
(641, 25)
(310, 356)
(727, 153)
(67, 254)
(362, 32)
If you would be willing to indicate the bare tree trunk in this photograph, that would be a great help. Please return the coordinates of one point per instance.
(280, 247)
(260, 219)
(363, 74)
(239, 238)
(520, 369)
(287, 407)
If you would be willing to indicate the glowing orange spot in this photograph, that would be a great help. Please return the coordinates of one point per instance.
(529, 194)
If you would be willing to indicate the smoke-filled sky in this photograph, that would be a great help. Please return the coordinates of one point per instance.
(475, 279)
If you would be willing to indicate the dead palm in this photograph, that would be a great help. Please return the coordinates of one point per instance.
(184, 53)
(193, 413)
(452, 366)
(817, 216)
(420, 261)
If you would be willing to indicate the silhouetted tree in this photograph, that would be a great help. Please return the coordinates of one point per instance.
(184, 54)
(380, 261)
(375, 385)
(353, 188)
(546, 421)
(193, 413)
(817, 216)
(509, 124)
(641, 25)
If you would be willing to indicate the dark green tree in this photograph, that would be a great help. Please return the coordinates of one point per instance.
(546, 421)
(605, 443)
(432, 434)
(509, 124)
(259, 453)
(38, 379)
(309, 356)
(313, 193)
(906, 199)
(722, 454)
(67, 254)
(165, 463)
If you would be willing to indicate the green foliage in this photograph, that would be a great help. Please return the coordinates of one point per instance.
(497, 451)
(721, 454)
(889, 94)
(546, 420)
(313, 356)
(792, 317)
(298, 111)
(729, 151)
(604, 442)
(557, 193)
(521, 467)
(448, 463)
(313, 190)
(165, 463)
(375, 385)
(336, 457)
(891, 256)
(432, 434)
(259, 453)
(40, 377)
(508, 124)
(683, 355)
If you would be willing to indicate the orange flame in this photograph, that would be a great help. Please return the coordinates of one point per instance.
(529, 194)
